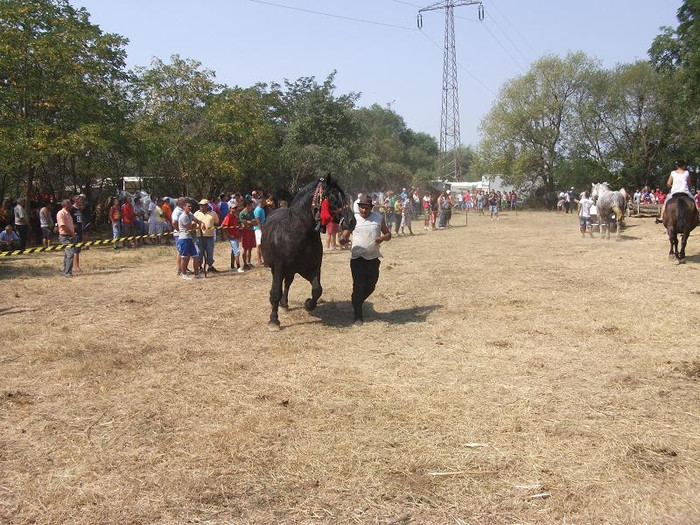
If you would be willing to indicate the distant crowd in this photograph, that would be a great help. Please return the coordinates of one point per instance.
(195, 226)
(647, 196)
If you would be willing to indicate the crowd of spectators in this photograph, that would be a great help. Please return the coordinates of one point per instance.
(647, 196)
(231, 217)
(400, 208)
(141, 214)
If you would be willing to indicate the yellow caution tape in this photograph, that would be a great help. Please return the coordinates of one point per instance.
(59, 247)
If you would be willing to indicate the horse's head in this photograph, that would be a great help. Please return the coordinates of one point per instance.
(598, 189)
(331, 190)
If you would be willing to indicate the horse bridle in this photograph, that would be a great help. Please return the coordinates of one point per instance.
(320, 194)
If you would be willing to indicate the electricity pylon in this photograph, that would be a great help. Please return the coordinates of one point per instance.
(449, 162)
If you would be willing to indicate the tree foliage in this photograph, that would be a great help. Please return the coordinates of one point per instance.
(676, 55)
(72, 118)
(526, 133)
(61, 81)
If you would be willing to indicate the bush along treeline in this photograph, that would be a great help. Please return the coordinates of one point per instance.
(73, 119)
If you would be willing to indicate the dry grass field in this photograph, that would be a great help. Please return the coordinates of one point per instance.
(507, 372)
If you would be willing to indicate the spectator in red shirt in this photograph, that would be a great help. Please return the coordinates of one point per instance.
(230, 227)
(128, 218)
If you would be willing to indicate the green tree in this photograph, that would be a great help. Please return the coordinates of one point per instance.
(171, 124)
(392, 155)
(525, 133)
(60, 84)
(676, 55)
(241, 141)
(622, 126)
(318, 131)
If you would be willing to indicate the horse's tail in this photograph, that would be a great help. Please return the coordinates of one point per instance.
(619, 212)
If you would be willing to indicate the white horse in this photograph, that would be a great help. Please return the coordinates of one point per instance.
(609, 202)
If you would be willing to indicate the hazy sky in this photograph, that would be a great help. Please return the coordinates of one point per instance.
(376, 47)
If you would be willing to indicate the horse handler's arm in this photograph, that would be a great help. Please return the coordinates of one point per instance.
(347, 224)
(386, 233)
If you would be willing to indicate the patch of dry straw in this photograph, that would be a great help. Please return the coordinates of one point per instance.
(507, 372)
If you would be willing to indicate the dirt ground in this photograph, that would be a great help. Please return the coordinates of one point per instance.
(507, 372)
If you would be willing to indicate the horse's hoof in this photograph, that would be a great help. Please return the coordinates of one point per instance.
(273, 326)
(309, 305)
(284, 305)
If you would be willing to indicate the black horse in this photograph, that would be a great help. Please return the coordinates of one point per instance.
(291, 242)
(680, 218)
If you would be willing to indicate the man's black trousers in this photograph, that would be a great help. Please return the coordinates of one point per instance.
(365, 274)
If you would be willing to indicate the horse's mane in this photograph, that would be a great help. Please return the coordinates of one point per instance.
(304, 192)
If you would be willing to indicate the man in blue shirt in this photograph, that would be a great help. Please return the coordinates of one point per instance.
(223, 207)
(259, 213)
(9, 240)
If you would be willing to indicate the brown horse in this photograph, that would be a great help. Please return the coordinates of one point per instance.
(680, 218)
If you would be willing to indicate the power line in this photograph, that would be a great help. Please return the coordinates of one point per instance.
(406, 3)
(513, 27)
(330, 15)
(419, 7)
(503, 47)
(492, 19)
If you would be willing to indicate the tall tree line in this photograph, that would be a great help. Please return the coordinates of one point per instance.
(568, 121)
(73, 119)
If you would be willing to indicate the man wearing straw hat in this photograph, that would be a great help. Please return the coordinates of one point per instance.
(368, 230)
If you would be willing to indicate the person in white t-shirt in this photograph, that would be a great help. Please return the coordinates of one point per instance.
(679, 182)
(368, 232)
(584, 214)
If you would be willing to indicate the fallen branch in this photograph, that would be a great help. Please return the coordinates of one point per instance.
(463, 472)
(529, 487)
(542, 495)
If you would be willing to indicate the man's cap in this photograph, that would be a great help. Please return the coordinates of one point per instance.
(365, 200)
(203, 201)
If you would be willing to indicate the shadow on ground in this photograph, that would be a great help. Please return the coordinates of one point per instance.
(692, 258)
(15, 310)
(339, 313)
(18, 269)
